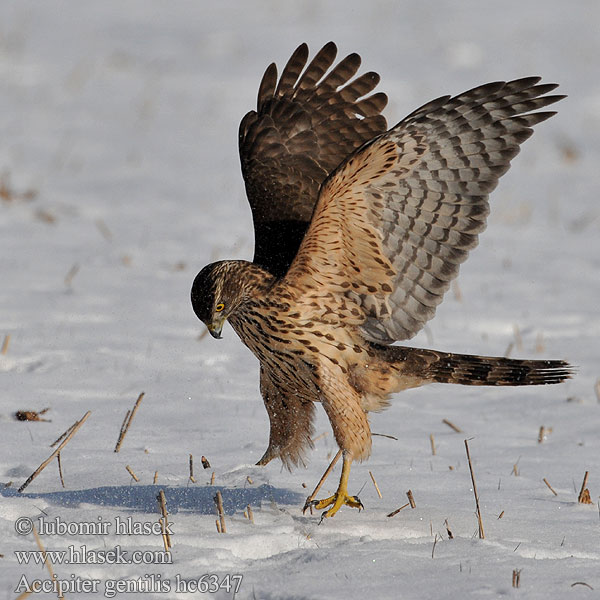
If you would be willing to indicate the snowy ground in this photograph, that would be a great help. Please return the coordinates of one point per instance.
(118, 124)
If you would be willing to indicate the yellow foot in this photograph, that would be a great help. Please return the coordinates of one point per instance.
(341, 496)
(337, 501)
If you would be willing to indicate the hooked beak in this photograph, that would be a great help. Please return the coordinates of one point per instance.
(215, 329)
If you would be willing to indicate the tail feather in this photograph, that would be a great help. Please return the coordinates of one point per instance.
(466, 369)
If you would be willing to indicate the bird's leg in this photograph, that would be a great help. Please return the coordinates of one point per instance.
(309, 501)
(341, 496)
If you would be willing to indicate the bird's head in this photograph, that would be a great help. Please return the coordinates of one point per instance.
(221, 287)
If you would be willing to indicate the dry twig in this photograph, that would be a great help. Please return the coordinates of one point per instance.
(516, 578)
(480, 522)
(541, 434)
(60, 473)
(321, 481)
(219, 502)
(164, 520)
(127, 422)
(5, 344)
(395, 512)
(452, 425)
(450, 534)
(549, 486)
(375, 484)
(584, 494)
(73, 430)
(192, 478)
(130, 471)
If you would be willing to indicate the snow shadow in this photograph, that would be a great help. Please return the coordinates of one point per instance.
(194, 498)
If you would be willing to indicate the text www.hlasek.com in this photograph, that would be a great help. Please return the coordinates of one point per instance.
(83, 555)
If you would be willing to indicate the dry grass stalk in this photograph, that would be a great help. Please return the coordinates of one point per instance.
(192, 479)
(452, 425)
(584, 494)
(29, 591)
(549, 486)
(320, 436)
(46, 562)
(60, 473)
(155, 477)
(5, 344)
(434, 545)
(450, 534)
(539, 343)
(32, 415)
(250, 514)
(432, 442)
(73, 430)
(509, 349)
(395, 512)
(8, 194)
(249, 480)
(597, 389)
(71, 274)
(518, 338)
(164, 533)
(480, 522)
(411, 500)
(541, 434)
(164, 520)
(127, 422)
(582, 583)
(219, 502)
(516, 578)
(218, 524)
(501, 515)
(515, 470)
(130, 471)
(104, 230)
(385, 435)
(64, 435)
(375, 484)
(321, 481)
(212, 478)
(205, 462)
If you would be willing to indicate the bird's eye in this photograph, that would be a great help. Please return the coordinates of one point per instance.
(219, 307)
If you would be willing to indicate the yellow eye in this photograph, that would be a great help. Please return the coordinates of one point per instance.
(219, 307)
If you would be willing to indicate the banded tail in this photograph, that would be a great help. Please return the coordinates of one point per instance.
(466, 369)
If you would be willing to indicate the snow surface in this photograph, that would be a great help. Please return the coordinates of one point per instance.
(120, 118)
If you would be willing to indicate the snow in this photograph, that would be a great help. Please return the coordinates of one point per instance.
(121, 119)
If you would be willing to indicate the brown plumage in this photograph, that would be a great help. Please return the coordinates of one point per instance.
(359, 232)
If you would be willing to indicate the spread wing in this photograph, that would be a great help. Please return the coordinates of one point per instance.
(396, 220)
(305, 125)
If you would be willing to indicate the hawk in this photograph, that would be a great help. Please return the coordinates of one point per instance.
(359, 231)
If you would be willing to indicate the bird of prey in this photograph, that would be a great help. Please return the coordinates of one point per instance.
(359, 231)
